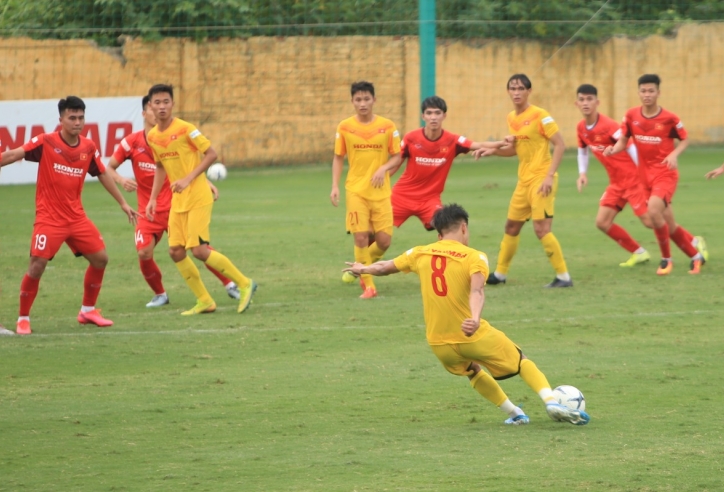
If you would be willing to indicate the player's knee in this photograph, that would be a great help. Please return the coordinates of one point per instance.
(603, 225)
(36, 267)
(383, 242)
(145, 254)
(99, 261)
(200, 252)
(177, 253)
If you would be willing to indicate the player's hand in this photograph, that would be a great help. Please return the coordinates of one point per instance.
(129, 184)
(470, 326)
(509, 140)
(546, 186)
(716, 172)
(132, 214)
(483, 153)
(214, 190)
(354, 268)
(180, 185)
(334, 196)
(608, 151)
(378, 178)
(671, 162)
(151, 209)
(581, 182)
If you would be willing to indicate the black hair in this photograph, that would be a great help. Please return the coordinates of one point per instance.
(434, 102)
(362, 86)
(144, 102)
(520, 77)
(449, 217)
(587, 89)
(650, 78)
(160, 88)
(70, 102)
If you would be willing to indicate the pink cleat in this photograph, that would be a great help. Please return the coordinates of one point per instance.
(23, 327)
(94, 318)
(369, 293)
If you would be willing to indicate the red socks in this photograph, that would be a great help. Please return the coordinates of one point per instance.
(662, 236)
(619, 234)
(28, 291)
(152, 274)
(92, 285)
(683, 240)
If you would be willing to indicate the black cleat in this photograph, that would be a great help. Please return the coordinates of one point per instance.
(559, 283)
(493, 280)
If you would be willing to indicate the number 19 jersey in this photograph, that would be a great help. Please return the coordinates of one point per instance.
(445, 268)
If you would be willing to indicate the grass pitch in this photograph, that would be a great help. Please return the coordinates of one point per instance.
(315, 390)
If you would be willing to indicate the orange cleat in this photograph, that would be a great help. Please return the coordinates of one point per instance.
(369, 293)
(696, 266)
(23, 327)
(665, 267)
(94, 318)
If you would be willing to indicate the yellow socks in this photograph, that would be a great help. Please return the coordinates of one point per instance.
(508, 248)
(537, 381)
(219, 262)
(376, 253)
(362, 255)
(554, 253)
(489, 388)
(191, 275)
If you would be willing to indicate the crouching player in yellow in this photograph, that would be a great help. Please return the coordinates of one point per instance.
(452, 276)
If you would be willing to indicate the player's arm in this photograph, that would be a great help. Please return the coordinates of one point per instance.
(582, 180)
(501, 148)
(209, 157)
(159, 177)
(337, 166)
(715, 172)
(619, 146)
(214, 190)
(11, 156)
(378, 269)
(107, 181)
(558, 148)
(127, 184)
(394, 162)
(476, 301)
(672, 160)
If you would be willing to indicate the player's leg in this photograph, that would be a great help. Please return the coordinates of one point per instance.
(231, 288)
(542, 211)
(693, 247)
(358, 224)
(198, 240)
(427, 212)
(177, 239)
(605, 223)
(518, 214)
(382, 221)
(147, 236)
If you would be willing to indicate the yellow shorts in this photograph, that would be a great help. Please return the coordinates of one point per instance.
(365, 215)
(190, 229)
(494, 351)
(526, 203)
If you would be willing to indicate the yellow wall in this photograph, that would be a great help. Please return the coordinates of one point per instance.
(278, 100)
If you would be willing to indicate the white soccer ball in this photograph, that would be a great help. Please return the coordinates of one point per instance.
(570, 396)
(216, 172)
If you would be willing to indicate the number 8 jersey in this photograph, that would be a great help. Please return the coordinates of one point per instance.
(445, 268)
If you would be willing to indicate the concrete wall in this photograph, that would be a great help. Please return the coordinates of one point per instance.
(278, 100)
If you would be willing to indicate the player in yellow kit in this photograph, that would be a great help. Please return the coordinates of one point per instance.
(177, 147)
(452, 276)
(369, 141)
(532, 130)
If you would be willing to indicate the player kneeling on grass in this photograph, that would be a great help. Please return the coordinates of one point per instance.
(452, 277)
(64, 158)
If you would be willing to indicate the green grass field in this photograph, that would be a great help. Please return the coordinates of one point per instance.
(315, 390)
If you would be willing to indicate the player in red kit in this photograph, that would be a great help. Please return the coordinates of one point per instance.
(595, 132)
(64, 158)
(135, 148)
(429, 152)
(654, 129)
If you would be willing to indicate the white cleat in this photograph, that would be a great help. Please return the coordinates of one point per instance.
(561, 413)
(158, 301)
(233, 290)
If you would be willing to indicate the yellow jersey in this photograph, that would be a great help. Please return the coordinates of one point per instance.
(445, 268)
(179, 150)
(532, 128)
(368, 147)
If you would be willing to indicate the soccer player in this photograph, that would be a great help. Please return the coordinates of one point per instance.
(654, 130)
(595, 132)
(452, 278)
(176, 146)
(64, 158)
(429, 152)
(369, 141)
(148, 233)
(532, 131)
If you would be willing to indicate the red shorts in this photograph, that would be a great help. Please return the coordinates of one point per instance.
(82, 237)
(424, 210)
(617, 198)
(148, 232)
(662, 186)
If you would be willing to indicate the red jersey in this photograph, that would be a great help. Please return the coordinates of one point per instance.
(621, 169)
(428, 163)
(654, 138)
(135, 147)
(61, 174)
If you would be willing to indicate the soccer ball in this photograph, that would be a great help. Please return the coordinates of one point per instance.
(216, 172)
(570, 397)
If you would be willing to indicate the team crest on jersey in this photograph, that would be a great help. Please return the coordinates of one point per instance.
(443, 150)
(597, 138)
(526, 123)
(84, 157)
(381, 130)
(659, 126)
(173, 137)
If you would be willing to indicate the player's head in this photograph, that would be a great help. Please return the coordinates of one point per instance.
(519, 87)
(452, 220)
(161, 100)
(148, 117)
(363, 97)
(587, 99)
(649, 88)
(434, 110)
(72, 115)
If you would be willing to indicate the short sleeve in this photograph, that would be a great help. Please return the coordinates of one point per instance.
(678, 130)
(548, 125)
(96, 167)
(478, 263)
(340, 146)
(625, 128)
(404, 148)
(34, 148)
(406, 261)
(123, 151)
(462, 145)
(393, 141)
(197, 139)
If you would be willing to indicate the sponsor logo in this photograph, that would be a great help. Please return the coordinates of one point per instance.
(547, 119)
(194, 134)
(454, 254)
(395, 133)
(522, 137)
(617, 135)
(364, 147)
(147, 166)
(647, 139)
(636, 123)
(462, 139)
(168, 155)
(680, 125)
(430, 161)
(57, 151)
(67, 170)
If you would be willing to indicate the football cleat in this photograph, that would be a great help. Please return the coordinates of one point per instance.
(233, 290)
(245, 296)
(696, 266)
(665, 267)
(561, 413)
(636, 259)
(517, 420)
(369, 293)
(158, 301)
(701, 247)
(93, 318)
(493, 280)
(559, 283)
(348, 278)
(23, 327)
(200, 308)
